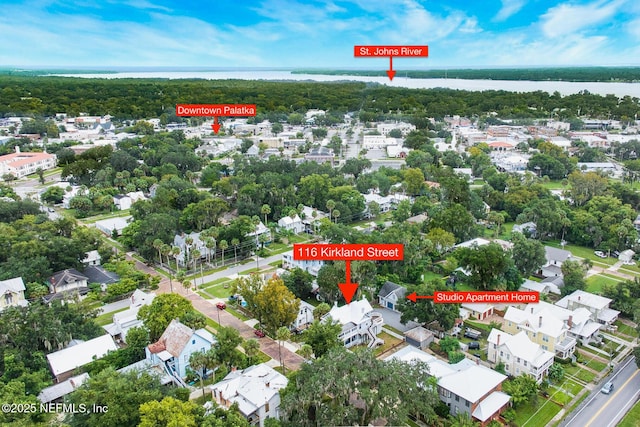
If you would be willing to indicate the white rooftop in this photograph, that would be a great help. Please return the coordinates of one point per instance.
(79, 355)
(521, 346)
(252, 387)
(490, 405)
(353, 312)
(586, 299)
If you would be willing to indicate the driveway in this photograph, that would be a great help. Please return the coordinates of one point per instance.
(392, 319)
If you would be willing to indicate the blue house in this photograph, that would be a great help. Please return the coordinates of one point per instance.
(175, 346)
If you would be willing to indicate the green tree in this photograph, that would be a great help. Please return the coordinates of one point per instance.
(53, 195)
(163, 310)
(556, 373)
(320, 310)
(528, 254)
(170, 412)
(121, 393)
(251, 349)
(225, 348)
(322, 336)
(265, 210)
(425, 311)
(414, 178)
(390, 389)
(522, 389)
(488, 265)
(585, 186)
(299, 282)
(276, 305)
(574, 277)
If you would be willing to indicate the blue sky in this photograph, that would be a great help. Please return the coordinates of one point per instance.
(317, 33)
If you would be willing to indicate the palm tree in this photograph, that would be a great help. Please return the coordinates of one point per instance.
(166, 250)
(282, 334)
(197, 361)
(223, 245)
(265, 210)
(157, 245)
(336, 214)
(196, 257)
(305, 351)
(331, 205)
(251, 348)
(175, 252)
(235, 242)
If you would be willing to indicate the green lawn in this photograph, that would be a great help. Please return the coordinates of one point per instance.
(554, 185)
(540, 414)
(430, 275)
(632, 419)
(596, 282)
(117, 214)
(106, 318)
(626, 329)
(595, 364)
(582, 252)
(219, 290)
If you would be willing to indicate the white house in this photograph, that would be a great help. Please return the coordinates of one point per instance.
(294, 224)
(360, 324)
(544, 287)
(12, 293)
(111, 225)
(555, 258)
(465, 387)
(180, 241)
(518, 354)
(57, 391)
(390, 295)
(597, 306)
(67, 280)
(304, 317)
(127, 319)
(122, 202)
(64, 362)
(255, 389)
(260, 230)
(175, 346)
(92, 258)
(310, 266)
(311, 218)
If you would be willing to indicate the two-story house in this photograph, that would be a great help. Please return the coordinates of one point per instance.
(304, 317)
(293, 224)
(12, 293)
(67, 281)
(518, 354)
(175, 346)
(187, 244)
(127, 319)
(261, 234)
(255, 389)
(360, 324)
(390, 295)
(465, 387)
(597, 306)
(554, 259)
(310, 266)
(543, 326)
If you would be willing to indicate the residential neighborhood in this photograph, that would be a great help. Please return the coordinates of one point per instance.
(158, 253)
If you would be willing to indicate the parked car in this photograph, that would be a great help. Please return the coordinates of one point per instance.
(600, 254)
(221, 305)
(474, 345)
(615, 254)
(607, 388)
(259, 333)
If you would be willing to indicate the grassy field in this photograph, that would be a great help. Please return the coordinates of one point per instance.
(596, 282)
(389, 342)
(536, 415)
(632, 419)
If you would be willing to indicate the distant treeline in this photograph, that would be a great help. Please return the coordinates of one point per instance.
(127, 99)
(578, 74)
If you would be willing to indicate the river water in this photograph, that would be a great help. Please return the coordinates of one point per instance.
(564, 88)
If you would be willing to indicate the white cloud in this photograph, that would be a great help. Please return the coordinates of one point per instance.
(566, 18)
(633, 28)
(509, 8)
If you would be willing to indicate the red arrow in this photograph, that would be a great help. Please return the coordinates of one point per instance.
(215, 126)
(348, 289)
(413, 297)
(391, 73)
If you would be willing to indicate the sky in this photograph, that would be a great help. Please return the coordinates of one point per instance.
(317, 33)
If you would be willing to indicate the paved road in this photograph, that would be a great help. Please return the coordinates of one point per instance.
(268, 346)
(602, 410)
